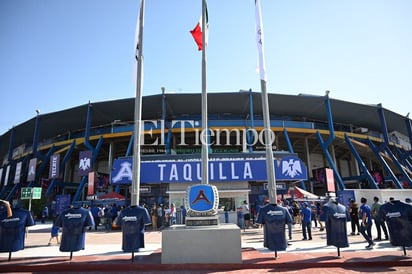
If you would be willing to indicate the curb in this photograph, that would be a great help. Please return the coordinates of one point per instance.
(251, 258)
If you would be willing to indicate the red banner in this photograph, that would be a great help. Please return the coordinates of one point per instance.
(90, 186)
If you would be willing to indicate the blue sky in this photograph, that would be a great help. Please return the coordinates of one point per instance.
(56, 55)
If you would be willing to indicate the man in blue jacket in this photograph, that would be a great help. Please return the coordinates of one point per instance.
(366, 222)
(306, 221)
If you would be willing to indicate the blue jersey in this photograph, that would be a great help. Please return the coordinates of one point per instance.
(365, 209)
(132, 220)
(306, 215)
(54, 230)
(95, 211)
(13, 230)
(398, 217)
(336, 218)
(321, 212)
(73, 222)
(274, 218)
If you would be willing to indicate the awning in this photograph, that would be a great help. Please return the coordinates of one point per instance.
(301, 194)
(111, 195)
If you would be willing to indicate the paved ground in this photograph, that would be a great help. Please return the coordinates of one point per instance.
(103, 254)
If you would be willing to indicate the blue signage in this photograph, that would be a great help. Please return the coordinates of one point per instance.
(281, 188)
(122, 171)
(220, 170)
(344, 196)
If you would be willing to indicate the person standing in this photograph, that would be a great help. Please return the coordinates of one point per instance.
(172, 214)
(314, 215)
(240, 219)
(318, 215)
(153, 213)
(114, 211)
(296, 213)
(289, 208)
(95, 210)
(44, 214)
(108, 217)
(166, 215)
(354, 216)
(54, 233)
(366, 222)
(380, 224)
(184, 213)
(246, 214)
(306, 222)
(160, 216)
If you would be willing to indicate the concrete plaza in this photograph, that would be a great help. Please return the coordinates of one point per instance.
(103, 253)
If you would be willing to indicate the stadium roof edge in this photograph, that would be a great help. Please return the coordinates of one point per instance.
(302, 106)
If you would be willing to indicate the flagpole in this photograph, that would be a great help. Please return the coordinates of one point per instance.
(135, 191)
(205, 132)
(270, 168)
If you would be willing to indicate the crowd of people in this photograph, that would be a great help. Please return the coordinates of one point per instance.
(308, 215)
(164, 216)
(302, 214)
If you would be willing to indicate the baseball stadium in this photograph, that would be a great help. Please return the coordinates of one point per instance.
(80, 152)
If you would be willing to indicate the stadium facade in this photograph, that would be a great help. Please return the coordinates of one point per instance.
(76, 151)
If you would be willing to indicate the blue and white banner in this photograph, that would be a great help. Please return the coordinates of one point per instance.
(85, 163)
(122, 171)
(220, 170)
(31, 174)
(17, 173)
(6, 177)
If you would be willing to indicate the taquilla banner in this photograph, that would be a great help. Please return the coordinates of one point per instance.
(220, 170)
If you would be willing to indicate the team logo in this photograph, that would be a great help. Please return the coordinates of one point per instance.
(31, 176)
(202, 200)
(85, 162)
(122, 172)
(292, 167)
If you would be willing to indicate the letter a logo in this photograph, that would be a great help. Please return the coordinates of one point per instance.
(122, 171)
(201, 196)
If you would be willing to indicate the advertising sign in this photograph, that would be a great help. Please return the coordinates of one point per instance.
(54, 166)
(220, 170)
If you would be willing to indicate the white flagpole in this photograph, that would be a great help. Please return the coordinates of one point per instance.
(135, 191)
(270, 168)
(205, 131)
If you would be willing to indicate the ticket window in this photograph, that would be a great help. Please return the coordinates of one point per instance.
(227, 204)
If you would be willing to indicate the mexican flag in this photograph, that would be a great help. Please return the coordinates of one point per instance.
(197, 32)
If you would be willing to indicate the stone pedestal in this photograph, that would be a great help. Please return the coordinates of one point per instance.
(201, 244)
